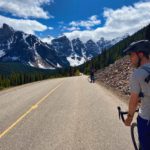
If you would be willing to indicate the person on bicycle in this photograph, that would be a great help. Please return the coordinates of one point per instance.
(139, 53)
(92, 71)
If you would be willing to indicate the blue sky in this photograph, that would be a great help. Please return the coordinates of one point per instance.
(67, 11)
(75, 10)
(76, 18)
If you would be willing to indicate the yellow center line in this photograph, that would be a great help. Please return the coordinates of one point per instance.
(28, 111)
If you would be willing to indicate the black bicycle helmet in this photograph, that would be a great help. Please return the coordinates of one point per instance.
(139, 46)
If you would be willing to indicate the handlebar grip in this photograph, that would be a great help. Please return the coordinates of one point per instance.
(121, 114)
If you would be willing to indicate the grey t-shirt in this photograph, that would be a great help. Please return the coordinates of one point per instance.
(139, 85)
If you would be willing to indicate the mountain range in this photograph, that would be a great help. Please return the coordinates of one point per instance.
(17, 46)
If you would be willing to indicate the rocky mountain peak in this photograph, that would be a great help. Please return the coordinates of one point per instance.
(6, 32)
(60, 39)
(90, 42)
(6, 28)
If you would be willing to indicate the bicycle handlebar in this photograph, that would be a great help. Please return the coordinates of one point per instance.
(122, 113)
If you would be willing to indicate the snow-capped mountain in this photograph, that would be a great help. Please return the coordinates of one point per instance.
(26, 49)
(30, 50)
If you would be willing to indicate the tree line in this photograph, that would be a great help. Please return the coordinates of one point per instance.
(13, 74)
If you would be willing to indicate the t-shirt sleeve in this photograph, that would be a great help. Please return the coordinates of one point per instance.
(134, 83)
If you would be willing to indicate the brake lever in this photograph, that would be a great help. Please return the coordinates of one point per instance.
(121, 113)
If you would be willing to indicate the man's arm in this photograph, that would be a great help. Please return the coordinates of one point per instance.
(134, 99)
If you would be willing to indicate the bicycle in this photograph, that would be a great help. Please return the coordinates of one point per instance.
(133, 130)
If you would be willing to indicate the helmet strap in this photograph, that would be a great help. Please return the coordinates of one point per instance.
(139, 60)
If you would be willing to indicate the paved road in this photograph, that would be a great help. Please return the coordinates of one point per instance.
(61, 114)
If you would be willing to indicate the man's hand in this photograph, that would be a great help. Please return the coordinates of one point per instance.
(128, 121)
(134, 98)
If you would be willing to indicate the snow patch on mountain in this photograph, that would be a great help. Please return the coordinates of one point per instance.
(59, 66)
(15, 58)
(41, 66)
(75, 60)
(24, 38)
(9, 42)
(2, 53)
(31, 64)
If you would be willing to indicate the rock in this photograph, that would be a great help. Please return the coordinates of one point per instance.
(117, 75)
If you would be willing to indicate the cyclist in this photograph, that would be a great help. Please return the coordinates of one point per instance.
(139, 53)
(92, 71)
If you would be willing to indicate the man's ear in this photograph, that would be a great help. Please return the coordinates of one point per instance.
(141, 54)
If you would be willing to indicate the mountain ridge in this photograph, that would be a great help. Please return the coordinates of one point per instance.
(17, 46)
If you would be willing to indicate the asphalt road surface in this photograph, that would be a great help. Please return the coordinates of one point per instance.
(62, 114)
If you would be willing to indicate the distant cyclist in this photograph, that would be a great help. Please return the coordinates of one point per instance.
(92, 71)
(139, 53)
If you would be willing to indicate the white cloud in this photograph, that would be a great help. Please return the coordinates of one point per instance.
(92, 21)
(118, 22)
(28, 26)
(25, 8)
(70, 28)
(50, 28)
